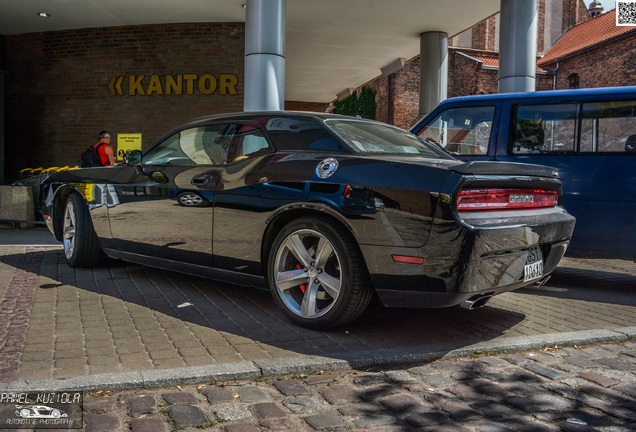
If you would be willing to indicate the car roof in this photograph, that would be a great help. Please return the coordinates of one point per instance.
(626, 91)
(260, 115)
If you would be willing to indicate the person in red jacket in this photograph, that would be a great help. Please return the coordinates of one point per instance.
(106, 151)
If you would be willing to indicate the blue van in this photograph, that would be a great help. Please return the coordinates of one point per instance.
(589, 135)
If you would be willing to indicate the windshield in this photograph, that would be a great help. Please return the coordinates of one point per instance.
(377, 138)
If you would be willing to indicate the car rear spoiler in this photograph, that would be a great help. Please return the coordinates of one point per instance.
(505, 168)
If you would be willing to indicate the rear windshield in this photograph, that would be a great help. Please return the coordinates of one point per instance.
(376, 138)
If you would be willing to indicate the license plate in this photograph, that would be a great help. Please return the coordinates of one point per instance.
(534, 265)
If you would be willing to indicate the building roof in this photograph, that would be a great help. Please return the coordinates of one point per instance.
(488, 61)
(585, 35)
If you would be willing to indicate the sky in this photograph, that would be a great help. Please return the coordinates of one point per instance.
(607, 4)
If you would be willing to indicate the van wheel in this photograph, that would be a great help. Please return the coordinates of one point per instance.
(81, 245)
(317, 274)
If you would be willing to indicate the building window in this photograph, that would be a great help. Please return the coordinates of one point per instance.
(573, 81)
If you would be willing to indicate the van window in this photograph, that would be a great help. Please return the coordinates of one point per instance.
(544, 128)
(461, 131)
(608, 126)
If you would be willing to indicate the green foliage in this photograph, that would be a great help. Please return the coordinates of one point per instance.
(362, 104)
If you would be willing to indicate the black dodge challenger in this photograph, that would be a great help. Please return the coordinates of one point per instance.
(325, 210)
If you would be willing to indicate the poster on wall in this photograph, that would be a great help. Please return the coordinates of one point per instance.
(127, 142)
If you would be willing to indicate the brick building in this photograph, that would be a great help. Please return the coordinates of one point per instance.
(573, 40)
(594, 53)
(63, 87)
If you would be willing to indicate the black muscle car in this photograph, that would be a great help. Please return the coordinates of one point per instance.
(326, 210)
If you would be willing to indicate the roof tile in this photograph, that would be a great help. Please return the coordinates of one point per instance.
(584, 35)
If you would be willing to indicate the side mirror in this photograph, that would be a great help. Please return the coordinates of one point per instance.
(133, 157)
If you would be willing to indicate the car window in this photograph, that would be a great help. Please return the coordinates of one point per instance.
(370, 138)
(548, 128)
(302, 134)
(204, 145)
(248, 141)
(608, 127)
(461, 131)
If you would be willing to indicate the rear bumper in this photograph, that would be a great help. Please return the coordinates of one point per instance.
(460, 264)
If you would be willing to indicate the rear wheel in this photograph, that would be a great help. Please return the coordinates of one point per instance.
(317, 274)
(81, 246)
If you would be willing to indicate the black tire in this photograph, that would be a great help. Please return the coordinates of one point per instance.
(317, 274)
(81, 246)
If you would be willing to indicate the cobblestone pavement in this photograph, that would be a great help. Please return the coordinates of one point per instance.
(591, 388)
(159, 351)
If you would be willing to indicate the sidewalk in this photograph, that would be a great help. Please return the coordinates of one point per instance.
(134, 330)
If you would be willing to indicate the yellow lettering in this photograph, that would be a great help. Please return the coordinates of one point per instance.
(189, 83)
(174, 85)
(154, 86)
(135, 86)
(207, 84)
(228, 84)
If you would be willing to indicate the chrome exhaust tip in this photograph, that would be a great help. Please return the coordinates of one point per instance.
(475, 302)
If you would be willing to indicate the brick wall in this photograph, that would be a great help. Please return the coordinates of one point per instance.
(58, 96)
(603, 66)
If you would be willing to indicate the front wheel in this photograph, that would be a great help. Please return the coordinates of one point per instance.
(317, 274)
(81, 246)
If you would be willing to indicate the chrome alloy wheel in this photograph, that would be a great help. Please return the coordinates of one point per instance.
(190, 200)
(68, 229)
(307, 273)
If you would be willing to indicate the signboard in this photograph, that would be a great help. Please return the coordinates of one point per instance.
(127, 142)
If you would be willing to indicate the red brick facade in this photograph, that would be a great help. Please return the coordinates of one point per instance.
(58, 96)
(604, 65)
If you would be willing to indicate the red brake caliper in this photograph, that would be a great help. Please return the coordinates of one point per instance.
(302, 286)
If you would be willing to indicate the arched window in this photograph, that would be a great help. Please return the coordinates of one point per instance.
(573, 81)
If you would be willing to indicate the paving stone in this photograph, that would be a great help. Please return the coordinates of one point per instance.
(231, 412)
(177, 398)
(399, 376)
(251, 394)
(340, 394)
(302, 405)
(148, 425)
(368, 380)
(325, 420)
(97, 403)
(427, 419)
(102, 422)
(185, 415)
(291, 388)
(616, 364)
(599, 379)
(403, 404)
(629, 389)
(217, 395)
(242, 427)
(141, 405)
(544, 371)
(374, 421)
(438, 381)
(267, 411)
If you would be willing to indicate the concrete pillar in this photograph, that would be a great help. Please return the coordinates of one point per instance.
(518, 45)
(433, 70)
(264, 55)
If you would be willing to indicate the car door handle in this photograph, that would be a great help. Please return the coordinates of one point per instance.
(201, 180)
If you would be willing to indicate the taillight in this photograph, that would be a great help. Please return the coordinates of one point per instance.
(505, 199)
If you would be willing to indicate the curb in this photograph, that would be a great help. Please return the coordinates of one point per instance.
(246, 370)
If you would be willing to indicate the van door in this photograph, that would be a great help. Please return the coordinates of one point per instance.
(589, 144)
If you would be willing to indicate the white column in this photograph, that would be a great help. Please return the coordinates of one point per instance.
(433, 70)
(518, 45)
(264, 55)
